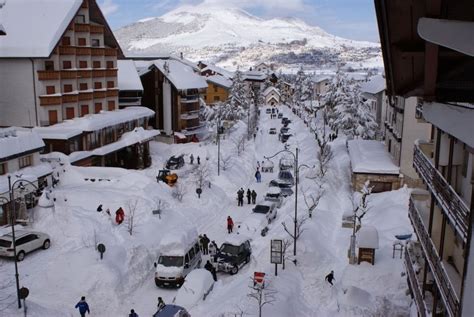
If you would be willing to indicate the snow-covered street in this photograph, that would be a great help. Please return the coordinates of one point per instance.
(124, 279)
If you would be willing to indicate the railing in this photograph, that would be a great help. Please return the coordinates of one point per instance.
(111, 73)
(69, 98)
(446, 289)
(453, 206)
(48, 75)
(50, 101)
(97, 51)
(97, 28)
(84, 74)
(68, 74)
(110, 51)
(80, 27)
(85, 96)
(415, 285)
(98, 73)
(112, 93)
(83, 51)
(99, 94)
(67, 50)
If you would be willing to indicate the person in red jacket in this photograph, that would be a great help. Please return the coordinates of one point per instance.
(230, 224)
(119, 216)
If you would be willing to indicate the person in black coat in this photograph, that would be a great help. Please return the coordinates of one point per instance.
(205, 244)
(330, 277)
(249, 196)
(211, 269)
(133, 313)
(254, 197)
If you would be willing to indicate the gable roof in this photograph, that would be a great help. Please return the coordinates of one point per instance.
(375, 85)
(270, 89)
(127, 76)
(180, 75)
(220, 81)
(219, 70)
(253, 75)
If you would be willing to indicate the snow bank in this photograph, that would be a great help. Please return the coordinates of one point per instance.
(196, 285)
(368, 237)
(178, 241)
(369, 156)
(356, 297)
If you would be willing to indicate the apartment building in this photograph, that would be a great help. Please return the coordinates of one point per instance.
(373, 92)
(58, 61)
(218, 89)
(425, 55)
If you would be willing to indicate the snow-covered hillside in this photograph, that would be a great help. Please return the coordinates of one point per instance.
(231, 35)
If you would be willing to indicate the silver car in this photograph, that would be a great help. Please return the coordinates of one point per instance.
(26, 241)
(268, 209)
(274, 195)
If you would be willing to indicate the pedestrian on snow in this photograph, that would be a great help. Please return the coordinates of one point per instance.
(99, 209)
(249, 196)
(191, 159)
(230, 224)
(254, 197)
(258, 176)
(258, 165)
(240, 196)
(213, 248)
(211, 269)
(108, 212)
(330, 277)
(199, 160)
(133, 313)
(83, 307)
(254, 136)
(119, 216)
(161, 304)
(205, 244)
(201, 247)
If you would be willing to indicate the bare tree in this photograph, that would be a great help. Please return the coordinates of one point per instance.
(286, 245)
(226, 161)
(202, 174)
(325, 153)
(239, 143)
(131, 206)
(262, 295)
(179, 191)
(312, 196)
(299, 228)
(160, 205)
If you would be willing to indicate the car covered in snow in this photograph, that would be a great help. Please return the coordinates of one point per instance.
(284, 177)
(268, 110)
(25, 241)
(272, 131)
(284, 137)
(285, 189)
(234, 253)
(175, 162)
(172, 311)
(267, 208)
(274, 195)
(179, 255)
(197, 285)
(280, 115)
(286, 163)
(284, 130)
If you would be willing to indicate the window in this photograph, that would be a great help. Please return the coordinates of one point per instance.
(24, 161)
(53, 117)
(50, 90)
(96, 64)
(3, 168)
(97, 107)
(83, 86)
(84, 110)
(217, 98)
(82, 64)
(67, 88)
(48, 65)
(66, 41)
(111, 105)
(67, 65)
(215, 88)
(110, 64)
(69, 113)
(81, 41)
(110, 84)
(95, 43)
(97, 85)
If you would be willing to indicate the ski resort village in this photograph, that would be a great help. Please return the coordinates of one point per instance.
(217, 161)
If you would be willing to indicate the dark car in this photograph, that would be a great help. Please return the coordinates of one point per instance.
(280, 115)
(286, 177)
(233, 254)
(285, 189)
(284, 130)
(175, 162)
(284, 137)
(172, 311)
(268, 208)
(283, 120)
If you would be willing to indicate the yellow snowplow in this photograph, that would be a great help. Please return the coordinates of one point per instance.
(167, 177)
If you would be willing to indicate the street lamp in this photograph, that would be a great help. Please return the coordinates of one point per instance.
(11, 189)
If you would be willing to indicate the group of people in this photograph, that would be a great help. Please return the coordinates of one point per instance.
(207, 246)
(191, 159)
(251, 196)
(119, 214)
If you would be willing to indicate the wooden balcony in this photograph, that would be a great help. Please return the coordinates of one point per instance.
(111, 73)
(80, 27)
(112, 93)
(67, 50)
(84, 74)
(99, 94)
(97, 29)
(50, 101)
(414, 283)
(446, 289)
(452, 205)
(98, 73)
(69, 98)
(109, 51)
(85, 96)
(83, 51)
(190, 107)
(48, 75)
(68, 74)
(97, 51)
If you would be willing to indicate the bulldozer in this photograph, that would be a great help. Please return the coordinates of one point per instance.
(166, 177)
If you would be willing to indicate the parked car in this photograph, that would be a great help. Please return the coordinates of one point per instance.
(268, 209)
(284, 137)
(272, 131)
(175, 162)
(284, 130)
(274, 195)
(285, 189)
(197, 285)
(172, 311)
(286, 163)
(234, 253)
(280, 115)
(268, 110)
(283, 120)
(286, 177)
(26, 242)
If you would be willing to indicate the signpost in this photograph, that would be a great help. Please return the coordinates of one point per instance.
(199, 192)
(101, 249)
(276, 253)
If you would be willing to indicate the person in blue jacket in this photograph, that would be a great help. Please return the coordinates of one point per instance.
(83, 307)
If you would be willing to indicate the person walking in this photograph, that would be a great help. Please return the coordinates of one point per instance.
(83, 307)
(230, 224)
(201, 243)
(240, 196)
(205, 244)
(258, 176)
(99, 209)
(161, 304)
(133, 313)
(254, 197)
(119, 216)
(330, 277)
(211, 269)
(213, 248)
(191, 159)
(249, 196)
(199, 160)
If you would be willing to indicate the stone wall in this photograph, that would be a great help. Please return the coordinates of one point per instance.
(359, 179)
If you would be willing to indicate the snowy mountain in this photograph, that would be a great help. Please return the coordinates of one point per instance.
(231, 36)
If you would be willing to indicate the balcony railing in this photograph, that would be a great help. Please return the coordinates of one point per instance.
(98, 73)
(67, 50)
(68, 74)
(452, 205)
(111, 73)
(48, 75)
(446, 289)
(110, 51)
(85, 96)
(80, 27)
(415, 285)
(50, 101)
(112, 93)
(99, 94)
(97, 51)
(83, 51)
(69, 98)
(97, 28)
(84, 74)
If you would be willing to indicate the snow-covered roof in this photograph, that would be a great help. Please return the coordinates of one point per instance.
(370, 156)
(220, 81)
(93, 122)
(269, 89)
(35, 27)
(375, 85)
(253, 75)
(320, 78)
(127, 77)
(30, 173)
(181, 75)
(219, 70)
(178, 242)
(368, 237)
(185, 61)
(14, 141)
(236, 239)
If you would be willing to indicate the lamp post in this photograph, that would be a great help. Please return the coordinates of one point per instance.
(11, 189)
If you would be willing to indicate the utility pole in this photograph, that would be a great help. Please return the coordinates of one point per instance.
(296, 201)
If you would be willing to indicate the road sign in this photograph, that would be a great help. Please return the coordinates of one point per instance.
(276, 251)
(259, 279)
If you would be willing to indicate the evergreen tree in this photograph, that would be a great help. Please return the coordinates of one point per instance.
(367, 125)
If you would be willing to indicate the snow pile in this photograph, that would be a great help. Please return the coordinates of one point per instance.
(195, 287)
(375, 85)
(355, 297)
(368, 237)
(178, 241)
(369, 156)
(15, 141)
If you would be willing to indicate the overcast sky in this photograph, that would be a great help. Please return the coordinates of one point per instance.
(354, 19)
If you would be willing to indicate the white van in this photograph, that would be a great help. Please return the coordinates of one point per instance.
(179, 254)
